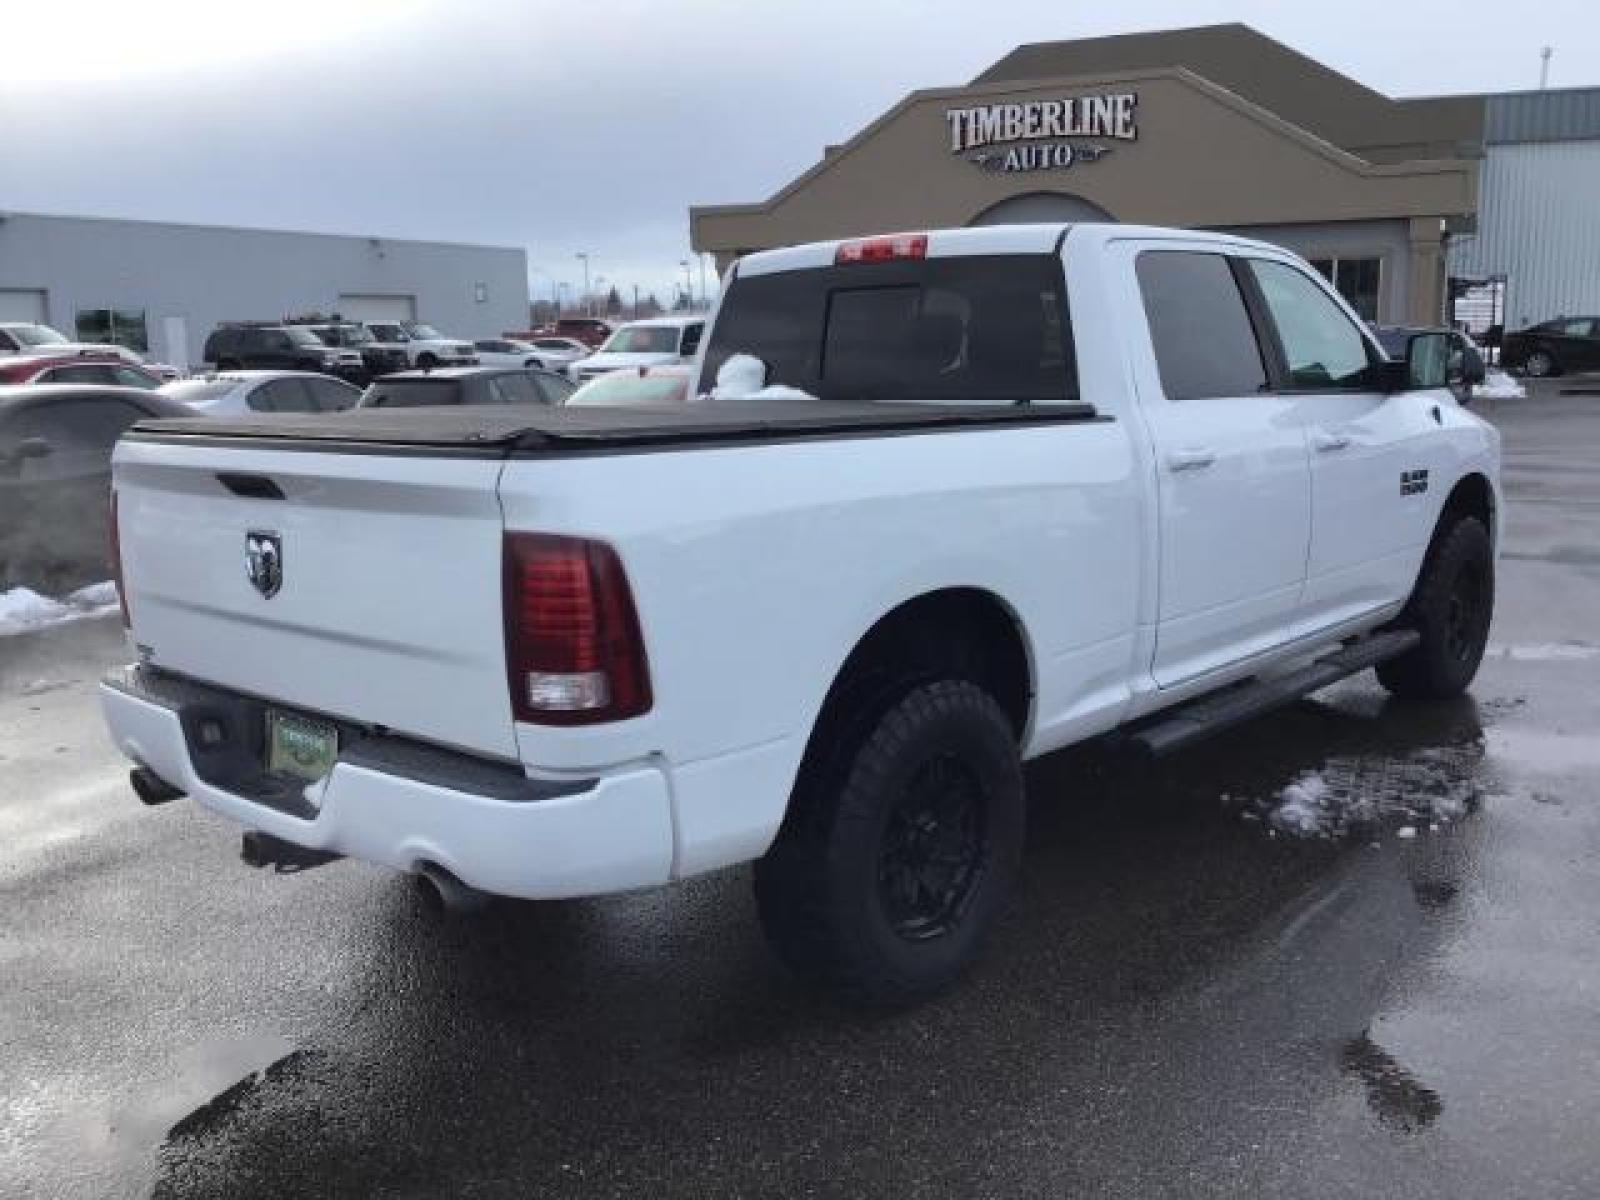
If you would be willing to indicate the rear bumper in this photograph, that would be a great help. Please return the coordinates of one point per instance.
(400, 803)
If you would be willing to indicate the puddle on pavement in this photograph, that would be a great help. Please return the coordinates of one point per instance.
(1396, 1098)
(206, 1082)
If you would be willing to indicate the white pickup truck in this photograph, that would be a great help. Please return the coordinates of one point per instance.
(1003, 490)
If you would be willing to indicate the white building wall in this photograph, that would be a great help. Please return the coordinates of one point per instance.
(1539, 226)
(188, 278)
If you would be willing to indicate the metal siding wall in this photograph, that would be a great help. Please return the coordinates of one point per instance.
(1565, 115)
(208, 274)
(1537, 226)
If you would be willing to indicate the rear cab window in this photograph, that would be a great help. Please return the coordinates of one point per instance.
(959, 329)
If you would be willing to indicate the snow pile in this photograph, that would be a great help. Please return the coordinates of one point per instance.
(744, 377)
(1497, 385)
(1357, 796)
(23, 609)
(1302, 807)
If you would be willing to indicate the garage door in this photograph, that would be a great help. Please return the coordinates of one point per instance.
(22, 304)
(372, 307)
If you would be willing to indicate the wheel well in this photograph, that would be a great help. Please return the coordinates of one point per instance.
(965, 633)
(1471, 497)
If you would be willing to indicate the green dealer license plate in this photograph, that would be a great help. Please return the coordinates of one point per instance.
(301, 747)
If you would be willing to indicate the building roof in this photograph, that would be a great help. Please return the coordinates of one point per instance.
(1554, 115)
(1281, 80)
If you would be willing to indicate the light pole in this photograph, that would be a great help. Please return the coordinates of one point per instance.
(561, 289)
(688, 281)
(705, 297)
(636, 302)
(588, 298)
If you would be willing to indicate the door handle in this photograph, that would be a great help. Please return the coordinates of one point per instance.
(1323, 441)
(1191, 460)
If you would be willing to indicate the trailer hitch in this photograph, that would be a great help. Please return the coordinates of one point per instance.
(258, 849)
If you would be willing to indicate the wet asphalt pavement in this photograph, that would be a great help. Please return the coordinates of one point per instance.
(1185, 1001)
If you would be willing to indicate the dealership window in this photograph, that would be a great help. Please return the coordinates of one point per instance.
(1356, 279)
(114, 326)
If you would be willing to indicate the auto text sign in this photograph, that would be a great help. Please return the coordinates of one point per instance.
(1043, 135)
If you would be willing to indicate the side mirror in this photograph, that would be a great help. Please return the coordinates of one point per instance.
(1428, 361)
(1473, 369)
(1425, 366)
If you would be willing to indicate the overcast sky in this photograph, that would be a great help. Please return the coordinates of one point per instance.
(572, 126)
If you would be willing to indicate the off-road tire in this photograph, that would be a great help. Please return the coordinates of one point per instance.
(1452, 607)
(835, 890)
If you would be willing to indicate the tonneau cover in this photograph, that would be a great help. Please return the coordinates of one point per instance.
(498, 431)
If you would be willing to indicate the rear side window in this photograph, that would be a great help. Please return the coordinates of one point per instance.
(515, 389)
(980, 328)
(281, 395)
(1200, 330)
(411, 393)
(555, 389)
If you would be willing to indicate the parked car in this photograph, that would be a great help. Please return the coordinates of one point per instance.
(55, 476)
(278, 346)
(549, 652)
(506, 352)
(623, 389)
(559, 353)
(237, 393)
(1465, 368)
(1553, 347)
(85, 367)
(26, 338)
(352, 335)
(423, 345)
(652, 343)
(589, 331)
(466, 385)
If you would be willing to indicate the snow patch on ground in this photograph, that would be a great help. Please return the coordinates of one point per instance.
(23, 610)
(1497, 385)
(1543, 651)
(1358, 796)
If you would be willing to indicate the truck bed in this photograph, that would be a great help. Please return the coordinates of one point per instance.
(534, 431)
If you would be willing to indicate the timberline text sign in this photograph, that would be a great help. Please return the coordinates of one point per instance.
(1036, 135)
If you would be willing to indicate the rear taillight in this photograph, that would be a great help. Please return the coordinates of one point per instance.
(116, 563)
(882, 249)
(574, 653)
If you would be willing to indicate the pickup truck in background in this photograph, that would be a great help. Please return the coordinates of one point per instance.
(424, 346)
(993, 492)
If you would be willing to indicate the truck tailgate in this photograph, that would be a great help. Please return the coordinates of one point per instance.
(388, 610)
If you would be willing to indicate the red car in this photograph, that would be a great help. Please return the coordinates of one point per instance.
(107, 368)
(591, 331)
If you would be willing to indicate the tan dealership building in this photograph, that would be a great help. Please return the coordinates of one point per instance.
(1216, 128)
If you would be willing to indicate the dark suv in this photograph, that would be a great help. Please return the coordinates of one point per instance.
(279, 346)
(349, 335)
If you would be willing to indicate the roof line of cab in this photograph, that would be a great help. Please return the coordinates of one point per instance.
(1041, 238)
